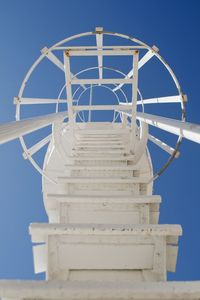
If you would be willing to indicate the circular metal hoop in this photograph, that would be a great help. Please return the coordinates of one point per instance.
(59, 46)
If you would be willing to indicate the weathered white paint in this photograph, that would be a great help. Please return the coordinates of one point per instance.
(99, 42)
(35, 148)
(103, 230)
(69, 92)
(99, 290)
(134, 102)
(114, 52)
(13, 130)
(169, 99)
(185, 129)
(162, 145)
(30, 101)
(142, 61)
(55, 60)
(101, 81)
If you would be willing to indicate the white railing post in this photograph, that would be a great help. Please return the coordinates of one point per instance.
(69, 92)
(134, 100)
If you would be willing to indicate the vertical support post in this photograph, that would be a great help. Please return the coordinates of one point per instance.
(124, 120)
(99, 42)
(134, 100)
(159, 264)
(124, 125)
(144, 213)
(52, 257)
(69, 92)
(63, 213)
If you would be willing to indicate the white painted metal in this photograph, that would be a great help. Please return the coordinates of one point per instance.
(99, 107)
(69, 92)
(35, 148)
(79, 290)
(99, 42)
(90, 104)
(13, 130)
(103, 230)
(31, 101)
(104, 180)
(103, 157)
(99, 146)
(110, 143)
(104, 168)
(147, 57)
(162, 145)
(61, 46)
(102, 199)
(96, 151)
(114, 52)
(121, 247)
(169, 99)
(39, 231)
(53, 58)
(89, 209)
(187, 130)
(134, 101)
(101, 132)
(102, 81)
(142, 61)
(122, 47)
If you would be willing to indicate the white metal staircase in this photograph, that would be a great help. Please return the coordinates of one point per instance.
(103, 239)
(103, 216)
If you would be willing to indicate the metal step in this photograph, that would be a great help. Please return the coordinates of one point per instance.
(40, 230)
(103, 168)
(105, 199)
(109, 158)
(89, 209)
(106, 180)
(100, 140)
(99, 146)
(104, 290)
(98, 151)
(117, 132)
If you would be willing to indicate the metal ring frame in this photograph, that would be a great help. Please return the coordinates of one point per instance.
(58, 46)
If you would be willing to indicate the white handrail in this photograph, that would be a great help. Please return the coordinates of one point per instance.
(12, 130)
(187, 130)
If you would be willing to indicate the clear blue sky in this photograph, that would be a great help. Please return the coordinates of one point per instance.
(25, 28)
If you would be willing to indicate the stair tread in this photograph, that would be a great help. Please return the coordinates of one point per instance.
(103, 179)
(104, 290)
(124, 157)
(106, 168)
(112, 199)
(133, 229)
(99, 151)
(89, 145)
